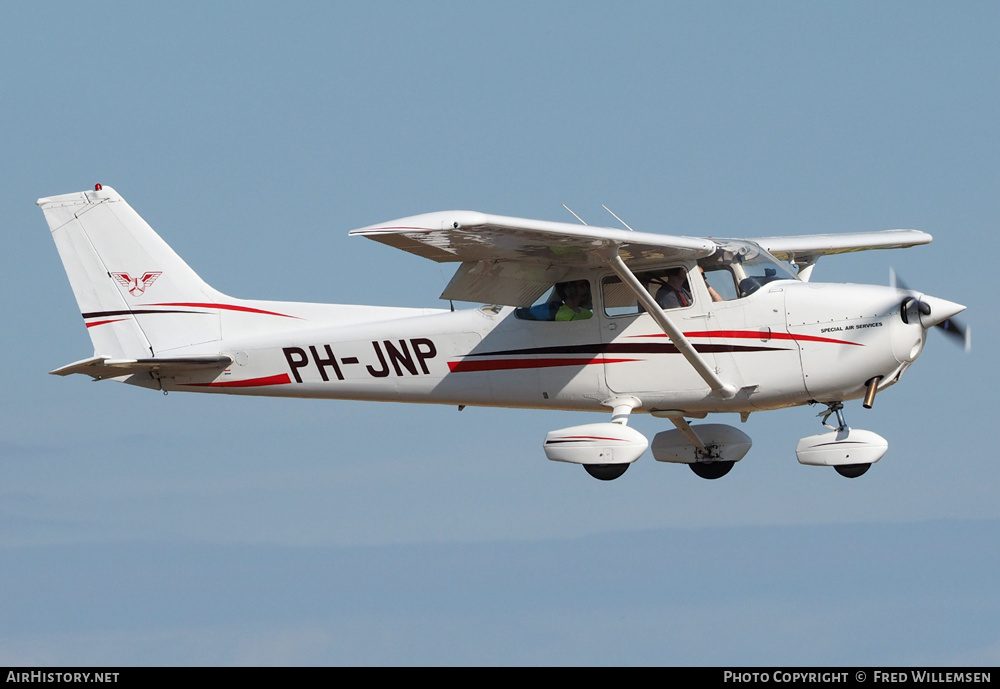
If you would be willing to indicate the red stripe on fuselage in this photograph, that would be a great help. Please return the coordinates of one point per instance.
(226, 307)
(393, 228)
(113, 320)
(280, 379)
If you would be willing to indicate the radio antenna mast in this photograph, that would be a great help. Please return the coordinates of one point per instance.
(574, 214)
(616, 217)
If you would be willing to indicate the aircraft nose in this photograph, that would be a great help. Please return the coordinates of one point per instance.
(940, 311)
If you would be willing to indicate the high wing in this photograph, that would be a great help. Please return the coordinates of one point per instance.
(816, 245)
(514, 260)
(804, 250)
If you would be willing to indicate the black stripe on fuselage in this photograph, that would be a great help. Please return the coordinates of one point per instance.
(130, 312)
(627, 348)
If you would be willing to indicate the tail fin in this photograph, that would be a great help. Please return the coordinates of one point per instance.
(134, 292)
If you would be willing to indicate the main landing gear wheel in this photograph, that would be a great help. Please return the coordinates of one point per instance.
(711, 470)
(851, 470)
(605, 472)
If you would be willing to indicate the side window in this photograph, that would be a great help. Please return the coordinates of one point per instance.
(619, 300)
(672, 289)
(669, 288)
(720, 282)
(568, 301)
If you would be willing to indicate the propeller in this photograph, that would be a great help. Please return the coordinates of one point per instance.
(957, 331)
(951, 327)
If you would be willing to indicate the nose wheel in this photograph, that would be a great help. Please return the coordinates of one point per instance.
(851, 451)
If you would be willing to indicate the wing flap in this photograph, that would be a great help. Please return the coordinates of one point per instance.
(511, 284)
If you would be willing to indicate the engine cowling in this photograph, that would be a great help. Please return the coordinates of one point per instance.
(595, 443)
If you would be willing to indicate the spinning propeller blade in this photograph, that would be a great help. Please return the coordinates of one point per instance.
(957, 331)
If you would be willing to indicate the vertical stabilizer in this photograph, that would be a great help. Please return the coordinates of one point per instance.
(138, 298)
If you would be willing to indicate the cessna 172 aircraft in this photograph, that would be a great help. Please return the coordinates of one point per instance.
(577, 318)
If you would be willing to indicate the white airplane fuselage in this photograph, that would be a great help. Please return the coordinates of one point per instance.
(789, 343)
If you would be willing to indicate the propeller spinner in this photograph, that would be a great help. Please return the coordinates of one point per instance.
(933, 312)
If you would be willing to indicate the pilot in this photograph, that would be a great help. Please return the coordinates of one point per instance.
(674, 292)
(576, 301)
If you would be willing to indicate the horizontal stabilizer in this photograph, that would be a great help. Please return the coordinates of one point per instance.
(100, 367)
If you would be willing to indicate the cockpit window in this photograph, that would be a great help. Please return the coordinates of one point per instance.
(568, 301)
(737, 269)
(720, 281)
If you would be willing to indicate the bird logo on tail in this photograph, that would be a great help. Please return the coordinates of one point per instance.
(136, 286)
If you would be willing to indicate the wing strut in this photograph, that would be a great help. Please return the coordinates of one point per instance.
(685, 428)
(804, 264)
(720, 389)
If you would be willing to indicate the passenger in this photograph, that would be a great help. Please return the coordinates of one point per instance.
(674, 292)
(576, 301)
(571, 302)
(546, 311)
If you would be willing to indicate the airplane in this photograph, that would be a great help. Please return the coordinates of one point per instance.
(575, 317)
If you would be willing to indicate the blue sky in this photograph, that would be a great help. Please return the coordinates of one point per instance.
(184, 529)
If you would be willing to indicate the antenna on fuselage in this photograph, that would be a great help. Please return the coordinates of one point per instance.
(574, 214)
(617, 218)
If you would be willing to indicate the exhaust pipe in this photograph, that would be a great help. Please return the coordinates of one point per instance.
(870, 393)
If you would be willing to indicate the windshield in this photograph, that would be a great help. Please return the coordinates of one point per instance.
(748, 267)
